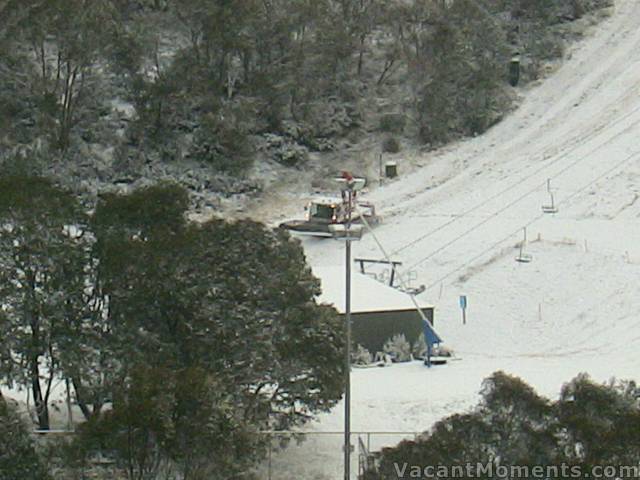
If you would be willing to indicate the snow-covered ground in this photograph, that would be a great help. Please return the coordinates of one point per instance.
(456, 222)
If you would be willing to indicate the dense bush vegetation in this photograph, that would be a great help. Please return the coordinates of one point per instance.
(168, 80)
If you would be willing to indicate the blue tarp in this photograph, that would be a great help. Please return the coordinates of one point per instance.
(430, 335)
(431, 338)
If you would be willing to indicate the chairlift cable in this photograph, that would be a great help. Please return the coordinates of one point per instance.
(535, 219)
(399, 274)
(514, 185)
(526, 194)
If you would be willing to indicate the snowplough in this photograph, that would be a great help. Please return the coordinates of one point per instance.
(322, 213)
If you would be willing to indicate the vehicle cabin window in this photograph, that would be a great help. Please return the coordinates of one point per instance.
(322, 211)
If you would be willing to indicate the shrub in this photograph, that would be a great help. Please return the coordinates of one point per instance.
(390, 145)
(223, 147)
(292, 155)
(398, 348)
(328, 118)
(18, 456)
(419, 348)
(393, 123)
(284, 151)
(361, 356)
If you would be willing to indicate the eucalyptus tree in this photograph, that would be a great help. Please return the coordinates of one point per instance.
(42, 283)
(220, 321)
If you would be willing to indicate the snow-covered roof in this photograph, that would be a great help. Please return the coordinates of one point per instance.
(326, 200)
(367, 294)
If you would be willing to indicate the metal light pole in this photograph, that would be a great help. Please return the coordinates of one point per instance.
(348, 233)
(347, 362)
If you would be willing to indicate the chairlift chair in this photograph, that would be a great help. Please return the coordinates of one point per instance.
(551, 208)
(524, 257)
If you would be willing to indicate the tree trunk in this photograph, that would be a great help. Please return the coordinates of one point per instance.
(84, 408)
(361, 54)
(87, 412)
(42, 409)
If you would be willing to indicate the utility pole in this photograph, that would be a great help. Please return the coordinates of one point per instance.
(347, 363)
(349, 233)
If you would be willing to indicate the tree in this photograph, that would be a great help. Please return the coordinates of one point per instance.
(455, 56)
(227, 308)
(600, 424)
(193, 88)
(589, 425)
(102, 346)
(137, 426)
(182, 423)
(16, 105)
(521, 423)
(65, 39)
(511, 426)
(41, 281)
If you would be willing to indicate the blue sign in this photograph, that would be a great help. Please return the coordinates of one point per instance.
(463, 302)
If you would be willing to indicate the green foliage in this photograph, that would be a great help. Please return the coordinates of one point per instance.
(245, 70)
(393, 123)
(589, 425)
(153, 209)
(521, 422)
(18, 456)
(285, 151)
(41, 281)
(64, 41)
(599, 423)
(457, 59)
(196, 335)
(205, 78)
(390, 145)
(226, 312)
(208, 434)
(134, 430)
(166, 421)
(222, 141)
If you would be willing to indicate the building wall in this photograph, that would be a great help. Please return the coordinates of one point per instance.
(372, 329)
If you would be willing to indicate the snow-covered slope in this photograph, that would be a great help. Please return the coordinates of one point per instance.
(456, 222)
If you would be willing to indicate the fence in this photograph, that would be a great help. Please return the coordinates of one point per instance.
(294, 455)
(320, 455)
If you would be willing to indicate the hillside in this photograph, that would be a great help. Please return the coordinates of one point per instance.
(457, 222)
(235, 102)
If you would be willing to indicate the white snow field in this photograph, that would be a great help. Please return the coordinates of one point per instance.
(456, 222)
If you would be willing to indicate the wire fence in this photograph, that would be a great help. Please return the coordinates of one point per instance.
(293, 455)
(320, 455)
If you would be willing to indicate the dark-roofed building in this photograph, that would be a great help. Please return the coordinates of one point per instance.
(378, 312)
